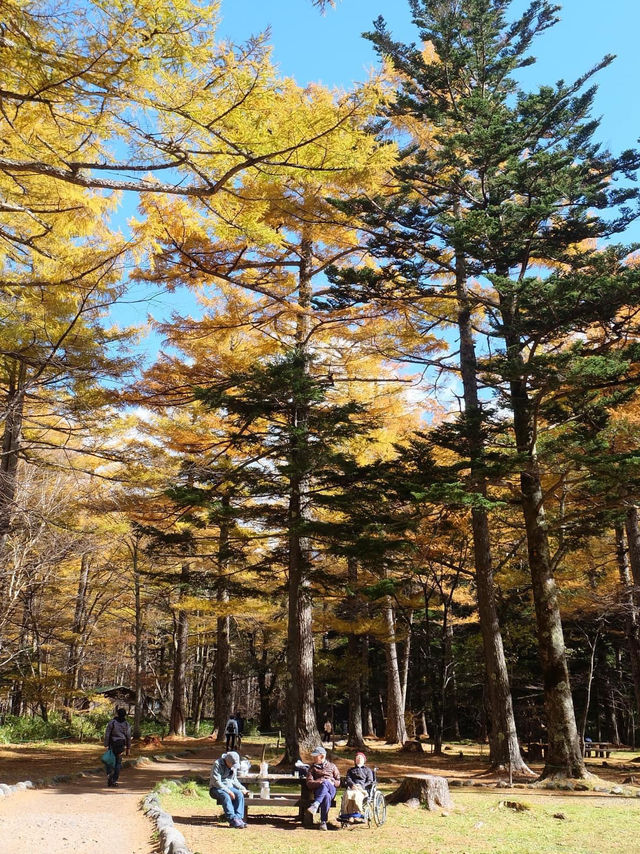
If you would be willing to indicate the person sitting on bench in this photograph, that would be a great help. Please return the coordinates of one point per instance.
(358, 782)
(323, 778)
(226, 789)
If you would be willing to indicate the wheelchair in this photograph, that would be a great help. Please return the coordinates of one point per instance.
(374, 809)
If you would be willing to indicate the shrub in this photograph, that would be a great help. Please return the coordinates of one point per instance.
(86, 727)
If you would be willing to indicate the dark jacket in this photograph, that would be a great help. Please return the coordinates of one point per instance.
(117, 731)
(318, 773)
(362, 776)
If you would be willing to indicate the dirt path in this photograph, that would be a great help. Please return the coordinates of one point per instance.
(85, 817)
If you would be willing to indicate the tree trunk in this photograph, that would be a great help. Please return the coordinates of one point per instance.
(406, 658)
(368, 729)
(612, 717)
(17, 698)
(301, 731)
(564, 756)
(265, 702)
(431, 791)
(587, 702)
(354, 657)
(139, 640)
(453, 690)
(632, 615)
(75, 645)
(201, 678)
(223, 693)
(632, 525)
(178, 715)
(503, 737)
(395, 730)
(433, 675)
(11, 442)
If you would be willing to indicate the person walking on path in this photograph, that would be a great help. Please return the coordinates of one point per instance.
(231, 731)
(226, 789)
(117, 736)
(323, 778)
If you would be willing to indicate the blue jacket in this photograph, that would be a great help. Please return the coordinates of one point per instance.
(223, 777)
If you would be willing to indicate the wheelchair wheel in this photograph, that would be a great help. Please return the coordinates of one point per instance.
(379, 808)
(368, 814)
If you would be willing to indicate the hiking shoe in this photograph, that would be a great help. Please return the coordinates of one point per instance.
(313, 809)
(323, 825)
(238, 823)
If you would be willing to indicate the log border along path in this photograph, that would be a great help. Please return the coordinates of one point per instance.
(80, 815)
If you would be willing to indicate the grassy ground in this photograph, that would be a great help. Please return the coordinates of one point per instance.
(480, 823)
(593, 823)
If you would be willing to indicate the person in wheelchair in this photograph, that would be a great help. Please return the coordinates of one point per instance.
(359, 782)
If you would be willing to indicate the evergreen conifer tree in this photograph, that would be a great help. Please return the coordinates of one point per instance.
(497, 206)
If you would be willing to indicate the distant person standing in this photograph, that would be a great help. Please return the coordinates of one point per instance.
(327, 731)
(231, 732)
(240, 721)
(117, 736)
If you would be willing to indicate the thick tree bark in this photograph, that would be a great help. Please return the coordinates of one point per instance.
(178, 715)
(632, 614)
(431, 791)
(395, 730)
(564, 757)
(301, 730)
(503, 737)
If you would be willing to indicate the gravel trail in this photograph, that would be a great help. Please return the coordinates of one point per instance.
(86, 817)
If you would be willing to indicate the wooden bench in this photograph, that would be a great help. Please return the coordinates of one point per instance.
(299, 800)
(598, 748)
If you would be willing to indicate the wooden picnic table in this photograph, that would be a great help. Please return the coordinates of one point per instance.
(598, 748)
(299, 800)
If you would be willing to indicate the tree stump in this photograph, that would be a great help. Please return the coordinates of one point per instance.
(412, 747)
(428, 789)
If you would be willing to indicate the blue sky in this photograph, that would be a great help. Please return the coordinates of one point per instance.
(311, 47)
